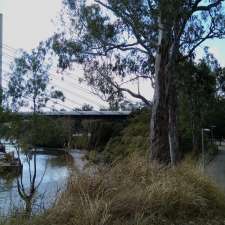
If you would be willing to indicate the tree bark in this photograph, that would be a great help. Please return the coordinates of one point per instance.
(163, 128)
(159, 121)
(28, 208)
(172, 130)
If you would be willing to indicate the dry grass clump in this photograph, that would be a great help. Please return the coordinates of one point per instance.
(129, 194)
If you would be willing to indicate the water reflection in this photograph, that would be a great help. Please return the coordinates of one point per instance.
(43, 176)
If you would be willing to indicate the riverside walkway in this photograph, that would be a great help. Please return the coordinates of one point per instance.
(216, 168)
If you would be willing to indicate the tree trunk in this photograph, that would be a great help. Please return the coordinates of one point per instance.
(196, 130)
(163, 128)
(172, 130)
(159, 121)
(34, 105)
(28, 209)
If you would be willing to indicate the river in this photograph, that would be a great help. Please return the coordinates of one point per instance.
(52, 172)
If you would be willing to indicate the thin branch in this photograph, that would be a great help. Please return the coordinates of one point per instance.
(126, 47)
(133, 79)
(104, 5)
(208, 7)
(211, 34)
(136, 34)
(42, 177)
(196, 5)
(35, 172)
(146, 101)
(135, 95)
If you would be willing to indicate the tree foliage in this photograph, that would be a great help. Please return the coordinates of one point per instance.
(85, 107)
(29, 80)
(120, 38)
(120, 41)
(197, 96)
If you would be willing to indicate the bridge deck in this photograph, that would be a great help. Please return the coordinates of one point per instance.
(82, 114)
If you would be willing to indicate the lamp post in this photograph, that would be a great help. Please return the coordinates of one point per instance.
(203, 147)
(212, 136)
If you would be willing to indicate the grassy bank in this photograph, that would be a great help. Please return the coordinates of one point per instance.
(129, 194)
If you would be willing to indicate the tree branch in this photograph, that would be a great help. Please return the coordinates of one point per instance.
(124, 47)
(211, 34)
(129, 23)
(196, 4)
(135, 78)
(115, 85)
(207, 7)
(146, 101)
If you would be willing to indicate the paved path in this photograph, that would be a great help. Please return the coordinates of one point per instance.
(216, 168)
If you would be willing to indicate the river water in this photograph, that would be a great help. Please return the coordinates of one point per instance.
(53, 169)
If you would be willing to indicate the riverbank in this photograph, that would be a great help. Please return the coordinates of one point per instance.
(129, 194)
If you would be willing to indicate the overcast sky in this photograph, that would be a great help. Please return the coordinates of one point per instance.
(27, 22)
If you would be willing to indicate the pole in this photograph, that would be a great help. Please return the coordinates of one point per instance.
(203, 151)
(1, 43)
(203, 147)
(212, 135)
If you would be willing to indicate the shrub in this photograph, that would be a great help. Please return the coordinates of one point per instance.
(134, 137)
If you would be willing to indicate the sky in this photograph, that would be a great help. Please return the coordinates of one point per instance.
(27, 22)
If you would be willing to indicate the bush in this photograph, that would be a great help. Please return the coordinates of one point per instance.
(79, 142)
(93, 157)
(134, 137)
(102, 131)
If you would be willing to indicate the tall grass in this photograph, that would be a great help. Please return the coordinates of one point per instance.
(130, 194)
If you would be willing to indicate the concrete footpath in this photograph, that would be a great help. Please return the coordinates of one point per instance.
(216, 168)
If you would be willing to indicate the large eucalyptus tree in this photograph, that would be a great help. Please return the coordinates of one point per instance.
(115, 39)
